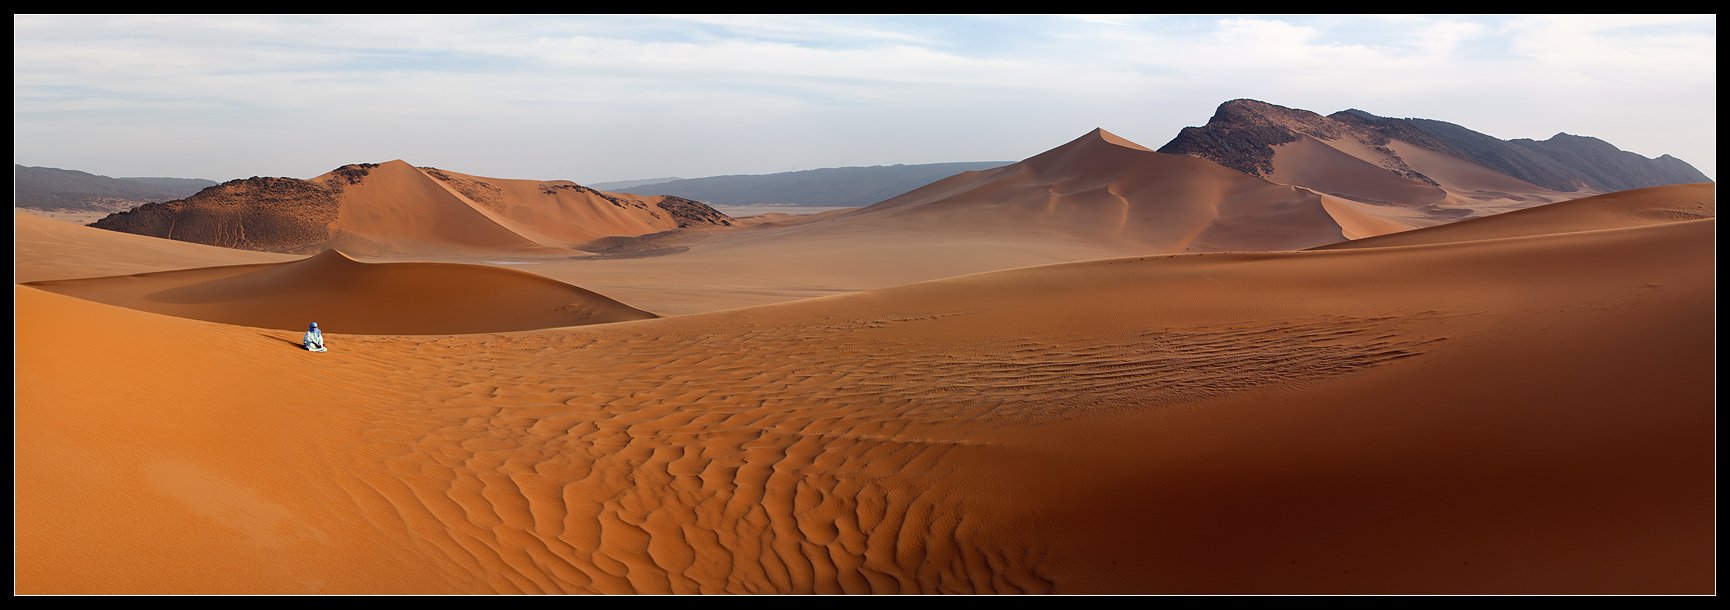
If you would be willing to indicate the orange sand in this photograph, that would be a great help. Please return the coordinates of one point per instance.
(346, 296)
(1520, 415)
(44, 249)
(1634, 208)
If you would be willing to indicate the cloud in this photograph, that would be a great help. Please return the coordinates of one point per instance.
(244, 95)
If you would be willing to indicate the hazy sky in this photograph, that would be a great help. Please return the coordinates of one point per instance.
(615, 97)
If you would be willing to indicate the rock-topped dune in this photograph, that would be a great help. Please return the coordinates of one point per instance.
(396, 208)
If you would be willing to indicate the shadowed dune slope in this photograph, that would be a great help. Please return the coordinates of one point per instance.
(1638, 207)
(346, 296)
(1103, 187)
(44, 249)
(561, 213)
(1525, 415)
(396, 207)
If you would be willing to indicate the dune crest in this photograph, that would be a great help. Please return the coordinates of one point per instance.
(347, 296)
(46, 249)
(1103, 188)
(1624, 209)
(394, 208)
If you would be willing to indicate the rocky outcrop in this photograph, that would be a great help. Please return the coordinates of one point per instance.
(352, 173)
(1243, 133)
(258, 213)
(693, 213)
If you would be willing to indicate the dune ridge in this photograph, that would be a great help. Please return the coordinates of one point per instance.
(45, 249)
(346, 296)
(1624, 209)
(394, 208)
(1103, 187)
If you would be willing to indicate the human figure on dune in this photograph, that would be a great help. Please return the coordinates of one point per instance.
(314, 341)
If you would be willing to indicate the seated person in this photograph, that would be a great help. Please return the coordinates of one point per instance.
(314, 341)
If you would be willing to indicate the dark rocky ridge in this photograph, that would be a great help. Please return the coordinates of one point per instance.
(1242, 135)
(257, 213)
(693, 213)
(1610, 168)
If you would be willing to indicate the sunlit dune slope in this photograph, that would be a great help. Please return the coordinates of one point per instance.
(346, 296)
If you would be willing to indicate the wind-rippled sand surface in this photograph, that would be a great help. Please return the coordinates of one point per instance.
(1529, 414)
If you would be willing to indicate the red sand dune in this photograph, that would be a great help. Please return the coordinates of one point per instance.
(44, 249)
(1522, 415)
(399, 208)
(346, 296)
(1101, 187)
(1638, 207)
(394, 208)
(1353, 169)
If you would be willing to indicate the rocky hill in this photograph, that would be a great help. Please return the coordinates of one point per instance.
(1245, 135)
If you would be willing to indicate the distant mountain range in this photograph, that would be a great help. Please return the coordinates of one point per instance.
(47, 188)
(622, 185)
(831, 187)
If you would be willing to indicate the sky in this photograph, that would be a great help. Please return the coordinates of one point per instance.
(613, 97)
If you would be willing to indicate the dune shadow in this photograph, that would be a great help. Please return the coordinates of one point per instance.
(292, 342)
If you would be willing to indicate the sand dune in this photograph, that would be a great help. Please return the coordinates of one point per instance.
(398, 208)
(1103, 187)
(1099, 196)
(1315, 164)
(1638, 207)
(561, 213)
(1484, 417)
(44, 249)
(1096, 197)
(346, 296)
(394, 208)
(1453, 188)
